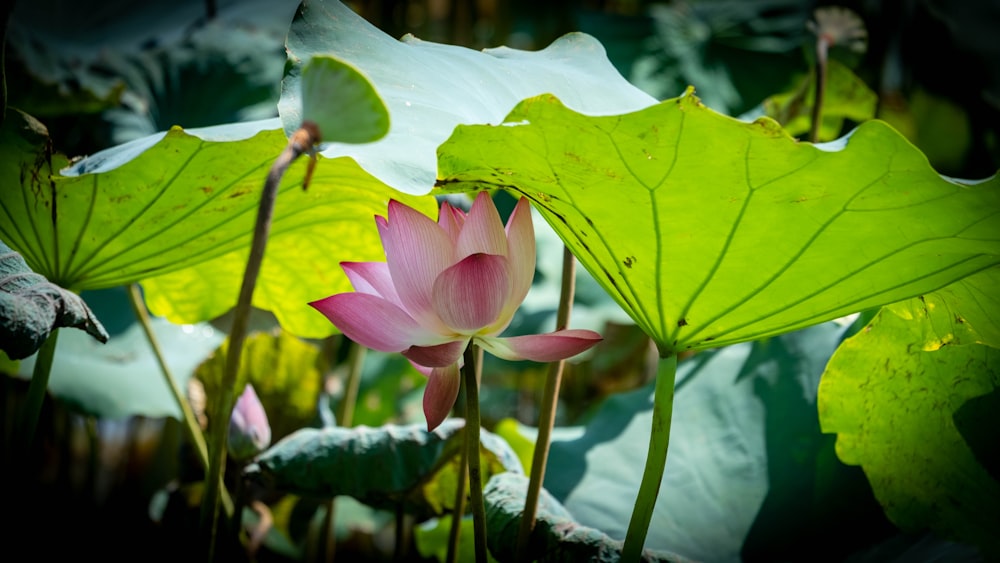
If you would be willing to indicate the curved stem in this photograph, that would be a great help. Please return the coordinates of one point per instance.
(547, 416)
(190, 424)
(656, 461)
(822, 46)
(302, 141)
(470, 374)
(37, 387)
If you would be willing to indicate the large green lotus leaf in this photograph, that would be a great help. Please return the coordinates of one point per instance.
(430, 87)
(122, 378)
(383, 466)
(749, 475)
(710, 231)
(556, 538)
(178, 210)
(909, 399)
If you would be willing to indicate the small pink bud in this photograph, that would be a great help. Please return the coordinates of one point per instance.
(249, 431)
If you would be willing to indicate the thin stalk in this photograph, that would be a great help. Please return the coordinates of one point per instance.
(547, 416)
(470, 375)
(190, 423)
(355, 362)
(37, 387)
(656, 461)
(4, 20)
(822, 46)
(301, 142)
(328, 534)
(454, 533)
(399, 549)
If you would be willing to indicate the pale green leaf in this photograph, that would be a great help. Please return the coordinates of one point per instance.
(123, 378)
(341, 102)
(710, 231)
(909, 399)
(749, 475)
(430, 87)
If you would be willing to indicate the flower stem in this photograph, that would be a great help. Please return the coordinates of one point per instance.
(37, 387)
(355, 361)
(457, 514)
(656, 460)
(4, 19)
(822, 46)
(301, 142)
(190, 423)
(547, 416)
(470, 372)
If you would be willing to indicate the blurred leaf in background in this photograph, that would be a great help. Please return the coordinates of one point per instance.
(286, 372)
(102, 72)
(847, 99)
(122, 378)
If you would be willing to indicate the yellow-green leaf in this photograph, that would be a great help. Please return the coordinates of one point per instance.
(177, 213)
(910, 397)
(710, 231)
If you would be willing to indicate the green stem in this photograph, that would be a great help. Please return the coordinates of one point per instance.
(547, 416)
(302, 141)
(4, 20)
(328, 534)
(656, 460)
(470, 374)
(189, 421)
(37, 388)
(355, 362)
(400, 539)
(454, 533)
(822, 46)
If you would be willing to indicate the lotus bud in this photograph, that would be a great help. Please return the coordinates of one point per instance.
(249, 431)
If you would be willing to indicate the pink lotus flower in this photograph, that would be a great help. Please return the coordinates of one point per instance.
(443, 285)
